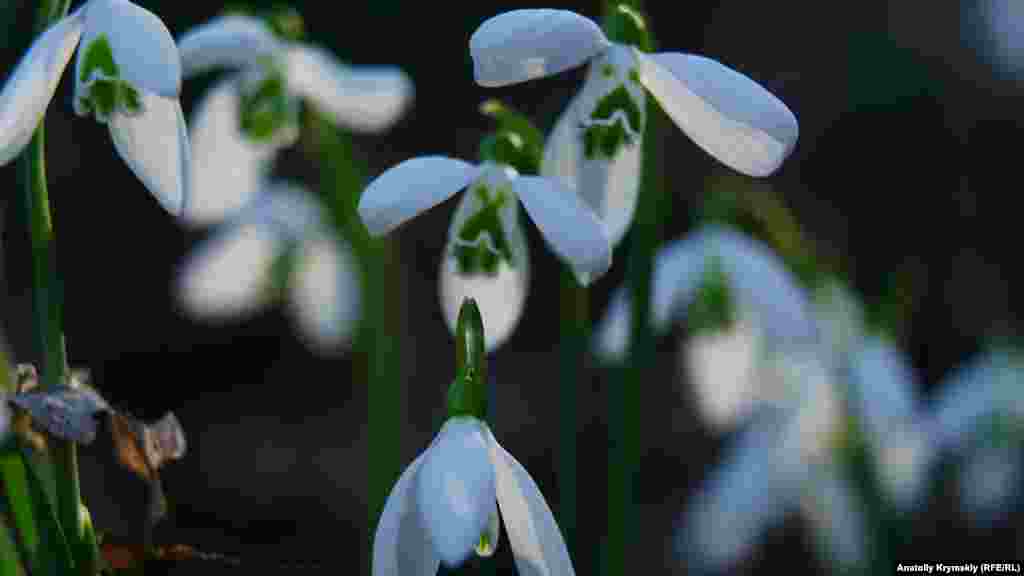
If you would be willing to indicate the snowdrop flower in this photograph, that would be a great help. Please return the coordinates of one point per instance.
(245, 118)
(446, 503)
(595, 145)
(485, 238)
(277, 246)
(127, 76)
(980, 413)
(749, 300)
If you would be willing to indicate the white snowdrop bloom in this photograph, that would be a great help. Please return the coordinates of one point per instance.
(445, 507)
(485, 228)
(277, 246)
(127, 76)
(595, 145)
(244, 119)
(979, 413)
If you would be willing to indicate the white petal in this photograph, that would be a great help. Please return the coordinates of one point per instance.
(155, 146)
(325, 295)
(750, 492)
(501, 298)
(838, 519)
(410, 188)
(965, 395)
(526, 44)
(723, 367)
(726, 113)
(144, 51)
(562, 150)
(613, 331)
(904, 461)
(990, 478)
(29, 89)
(364, 98)
(401, 546)
(840, 317)
(537, 544)
(884, 383)
(456, 489)
(567, 224)
(232, 41)
(228, 274)
(290, 208)
(227, 168)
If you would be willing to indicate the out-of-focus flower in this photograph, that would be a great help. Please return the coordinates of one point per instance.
(485, 239)
(595, 146)
(246, 117)
(979, 413)
(127, 76)
(445, 506)
(740, 301)
(278, 246)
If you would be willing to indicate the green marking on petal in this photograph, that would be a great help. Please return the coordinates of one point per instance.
(281, 270)
(476, 255)
(634, 76)
(606, 140)
(484, 546)
(607, 70)
(267, 109)
(99, 56)
(713, 309)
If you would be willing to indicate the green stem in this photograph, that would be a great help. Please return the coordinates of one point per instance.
(377, 364)
(624, 399)
(575, 333)
(48, 302)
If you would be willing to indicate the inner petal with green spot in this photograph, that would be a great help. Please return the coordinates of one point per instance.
(713, 308)
(267, 111)
(481, 243)
(100, 91)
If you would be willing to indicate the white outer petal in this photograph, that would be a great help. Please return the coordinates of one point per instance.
(411, 188)
(612, 333)
(231, 41)
(30, 88)
(966, 394)
(884, 384)
(363, 98)
(501, 298)
(227, 275)
(401, 546)
(990, 479)
(723, 367)
(522, 45)
(569, 226)
(726, 113)
(143, 48)
(562, 150)
(325, 293)
(227, 168)
(155, 146)
(537, 544)
(290, 208)
(838, 518)
(456, 489)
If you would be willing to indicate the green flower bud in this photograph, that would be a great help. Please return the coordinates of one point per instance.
(467, 395)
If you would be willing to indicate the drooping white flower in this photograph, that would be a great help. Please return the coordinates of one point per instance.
(245, 118)
(595, 145)
(979, 414)
(127, 76)
(277, 246)
(485, 238)
(445, 506)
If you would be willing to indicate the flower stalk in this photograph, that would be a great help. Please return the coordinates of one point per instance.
(48, 303)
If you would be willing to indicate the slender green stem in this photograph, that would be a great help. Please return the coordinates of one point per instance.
(377, 364)
(48, 301)
(624, 397)
(575, 332)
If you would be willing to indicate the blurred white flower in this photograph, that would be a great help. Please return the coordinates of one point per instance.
(245, 118)
(979, 414)
(127, 76)
(278, 246)
(445, 506)
(727, 364)
(595, 145)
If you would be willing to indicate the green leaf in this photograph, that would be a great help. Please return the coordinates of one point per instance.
(42, 539)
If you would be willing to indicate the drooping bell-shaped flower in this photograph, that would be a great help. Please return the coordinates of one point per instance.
(127, 76)
(485, 238)
(248, 116)
(595, 145)
(277, 247)
(445, 506)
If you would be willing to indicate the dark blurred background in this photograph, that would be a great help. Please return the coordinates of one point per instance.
(910, 123)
